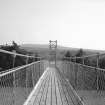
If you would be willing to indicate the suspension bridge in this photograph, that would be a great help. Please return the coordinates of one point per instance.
(50, 82)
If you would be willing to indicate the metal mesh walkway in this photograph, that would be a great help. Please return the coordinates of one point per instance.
(53, 89)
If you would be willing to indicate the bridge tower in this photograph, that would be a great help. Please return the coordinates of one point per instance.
(52, 52)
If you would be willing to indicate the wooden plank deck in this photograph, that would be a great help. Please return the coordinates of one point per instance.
(53, 89)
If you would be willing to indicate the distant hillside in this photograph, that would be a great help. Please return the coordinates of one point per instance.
(34, 46)
(41, 46)
(43, 49)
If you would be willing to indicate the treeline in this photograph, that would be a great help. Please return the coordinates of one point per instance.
(6, 60)
(90, 61)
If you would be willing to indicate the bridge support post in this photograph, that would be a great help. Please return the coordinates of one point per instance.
(53, 48)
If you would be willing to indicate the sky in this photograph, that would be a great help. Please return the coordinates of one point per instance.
(73, 23)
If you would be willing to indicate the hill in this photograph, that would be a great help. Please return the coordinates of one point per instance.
(43, 49)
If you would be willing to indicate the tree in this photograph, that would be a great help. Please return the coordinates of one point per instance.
(102, 63)
(80, 53)
(67, 55)
(14, 45)
(6, 60)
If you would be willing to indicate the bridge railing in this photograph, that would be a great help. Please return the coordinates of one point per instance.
(83, 77)
(16, 84)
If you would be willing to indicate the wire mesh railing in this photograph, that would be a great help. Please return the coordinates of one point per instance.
(82, 77)
(10, 60)
(16, 84)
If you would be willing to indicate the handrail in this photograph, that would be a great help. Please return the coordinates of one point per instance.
(12, 53)
(88, 66)
(85, 56)
(18, 68)
(34, 89)
(18, 82)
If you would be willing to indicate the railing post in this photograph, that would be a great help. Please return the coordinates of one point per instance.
(75, 70)
(97, 66)
(14, 57)
(39, 68)
(32, 75)
(14, 86)
(27, 59)
(83, 61)
(70, 63)
(83, 77)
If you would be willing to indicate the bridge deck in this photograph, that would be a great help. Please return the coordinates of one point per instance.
(53, 89)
